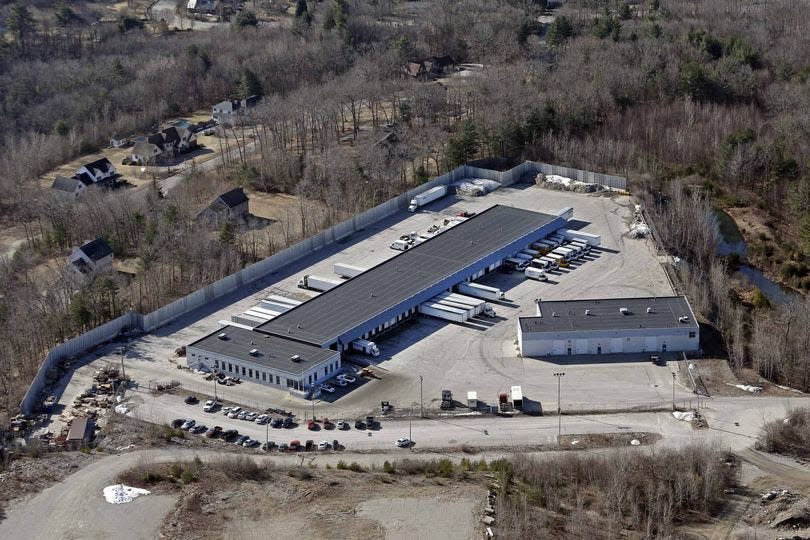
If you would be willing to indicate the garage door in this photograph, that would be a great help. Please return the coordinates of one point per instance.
(616, 345)
(650, 343)
(558, 347)
(582, 346)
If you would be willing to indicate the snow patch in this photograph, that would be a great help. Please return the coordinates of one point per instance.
(635, 442)
(749, 388)
(685, 416)
(120, 494)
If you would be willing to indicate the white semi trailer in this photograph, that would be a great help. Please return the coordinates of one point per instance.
(365, 346)
(477, 305)
(247, 320)
(591, 239)
(443, 312)
(348, 271)
(427, 197)
(318, 283)
(480, 291)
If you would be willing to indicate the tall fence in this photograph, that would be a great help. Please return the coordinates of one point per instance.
(261, 269)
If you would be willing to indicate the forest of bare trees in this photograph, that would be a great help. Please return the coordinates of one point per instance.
(702, 104)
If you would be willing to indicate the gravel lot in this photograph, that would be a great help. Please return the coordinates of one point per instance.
(479, 356)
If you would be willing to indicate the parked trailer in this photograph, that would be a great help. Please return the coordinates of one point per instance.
(270, 312)
(535, 273)
(589, 238)
(365, 346)
(443, 312)
(427, 197)
(480, 291)
(275, 306)
(472, 310)
(318, 283)
(348, 270)
(259, 315)
(516, 263)
(283, 300)
(460, 298)
(247, 320)
(530, 252)
(472, 400)
(516, 394)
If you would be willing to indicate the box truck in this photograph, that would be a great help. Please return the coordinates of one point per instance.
(427, 197)
(348, 270)
(535, 273)
(443, 312)
(516, 263)
(480, 291)
(400, 245)
(365, 346)
(318, 283)
(517, 397)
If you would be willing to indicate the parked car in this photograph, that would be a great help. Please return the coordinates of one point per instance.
(210, 405)
(250, 443)
(295, 445)
(199, 428)
(251, 416)
(309, 445)
(229, 435)
(287, 423)
(327, 424)
(341, 383)
(188, 424)
(326, 388)
(359, 424)
(342, 424)
(177, 422)
(234, 412)
(335, 444)
(267, 446)
(283, 447)
(242, 415)
(323, 445)
(191, 400)
(311, 425)
(276, 423)
(213, 432)
(348, 378)
(404, 442)
(240, 440)
(226, 410)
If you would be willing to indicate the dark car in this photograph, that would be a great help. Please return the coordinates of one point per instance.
(199, 428)
(229, 435)
(288, 423)
(213, 432)
(309, 445)
(269, 445)
(295, 445)
(283, 447)
(191, 400)
(277, 422)
(240, 439)
(177, 422)
(335, 445)
(359, 424)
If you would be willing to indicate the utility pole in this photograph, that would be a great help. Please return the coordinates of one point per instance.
(559, 376)
(673, 391)
(421, 409)
(214, 380)
(410, 430)
(266, 436)
(123, 373)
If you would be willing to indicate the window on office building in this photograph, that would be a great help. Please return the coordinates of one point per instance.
(264, 376)
(216, 363)
(243, 371)
(250, 373)
(278, 379)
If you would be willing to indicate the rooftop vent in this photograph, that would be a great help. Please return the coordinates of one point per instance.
(295, 358)
(223, 336)
(624, 311)
(253, 352)
(683, 319)
(553, 313)
(587, 312)
(649, 310)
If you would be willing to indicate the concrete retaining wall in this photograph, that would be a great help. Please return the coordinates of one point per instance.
(261, 269)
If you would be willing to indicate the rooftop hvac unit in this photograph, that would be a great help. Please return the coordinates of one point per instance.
(587, 312)
(683, 319)
(223, 335)
(649, 310)
(295, 358)
(624, 311)
(253, 352)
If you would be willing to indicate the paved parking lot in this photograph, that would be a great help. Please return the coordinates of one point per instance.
(479, 356)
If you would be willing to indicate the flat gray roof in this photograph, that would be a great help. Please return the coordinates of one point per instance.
(331, 314)
(569, 315)
(274, 352)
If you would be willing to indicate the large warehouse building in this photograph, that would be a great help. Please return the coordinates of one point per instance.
(374, 301)
(622, 325)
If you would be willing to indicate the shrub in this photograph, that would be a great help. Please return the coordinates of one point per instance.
(387, 467)
(243, 468)
(187, 477)
(300, 473)
(341, 465)
(788, 436)
(760, 300)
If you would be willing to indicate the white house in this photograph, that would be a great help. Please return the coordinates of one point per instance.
(609, 326)
(91, 259)
(97, 171)
(71, 187)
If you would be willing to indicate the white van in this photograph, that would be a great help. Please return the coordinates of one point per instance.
(535, 273)
(516, 264)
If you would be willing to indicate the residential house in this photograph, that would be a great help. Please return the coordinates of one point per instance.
(163, 146)
(71, 187)
(230, 206)
(119, 142)
(430, 68)
(231, 110)
(201, 6)
(97, 171)
(90, 259)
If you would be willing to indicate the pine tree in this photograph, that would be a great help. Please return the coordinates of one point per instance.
(20, 21)
(249, 84)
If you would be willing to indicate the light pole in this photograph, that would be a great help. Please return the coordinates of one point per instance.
(559, 376)
(214, 380)
(673, 390)
(421, 410)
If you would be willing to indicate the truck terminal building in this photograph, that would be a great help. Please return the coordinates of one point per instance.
(318, 330)
(624, 325)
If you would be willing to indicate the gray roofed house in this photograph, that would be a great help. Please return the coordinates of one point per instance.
(163, 146)
(229, 206)
(98, 170)
(71, 187)
(201, 6)
(231, 110)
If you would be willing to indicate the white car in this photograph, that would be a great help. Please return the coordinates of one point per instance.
(323, 445)
(327, 388)
(404, 442)
(341, 383)
(187, 425)
(347, 378)
(210, 405)
(342, 425)
(262, 419)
